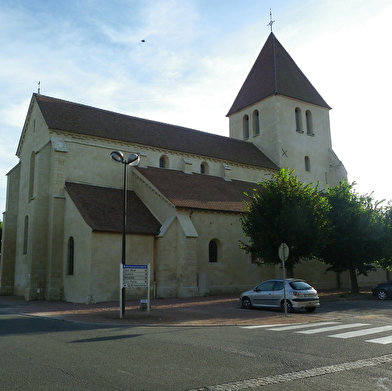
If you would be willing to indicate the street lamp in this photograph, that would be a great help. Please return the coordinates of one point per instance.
(132, 160)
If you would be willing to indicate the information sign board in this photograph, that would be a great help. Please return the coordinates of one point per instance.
(135, 276)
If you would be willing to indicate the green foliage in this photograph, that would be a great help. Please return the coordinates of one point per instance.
(285, 210)
(386, 259)
(346, 230)
(357, 232)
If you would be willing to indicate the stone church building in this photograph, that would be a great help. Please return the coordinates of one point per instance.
(63, 220)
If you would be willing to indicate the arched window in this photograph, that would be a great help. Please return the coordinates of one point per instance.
(71, 256)
(32, 175)
(25, 235)
(163, 162)
(256, 123)
(204, 168)
(298, 120)
(213, 251)
(307, 163)
(309, 123)
(245, 126)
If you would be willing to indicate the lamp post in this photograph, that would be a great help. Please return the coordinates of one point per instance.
(132, 160)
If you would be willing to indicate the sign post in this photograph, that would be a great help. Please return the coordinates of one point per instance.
(283, 255)
(135, 276)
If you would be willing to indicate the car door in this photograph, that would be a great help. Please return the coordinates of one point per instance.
(277, 294)
(263, 294)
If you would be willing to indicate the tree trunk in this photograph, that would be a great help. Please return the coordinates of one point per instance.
(338, 284)
(354, 280)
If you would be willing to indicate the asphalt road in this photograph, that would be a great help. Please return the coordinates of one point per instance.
(42, 354)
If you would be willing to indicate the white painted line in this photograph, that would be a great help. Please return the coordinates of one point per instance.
(262, 326)
(301, 326)
(382, 341)
(291, 376)
(332, 328)
(359, 333)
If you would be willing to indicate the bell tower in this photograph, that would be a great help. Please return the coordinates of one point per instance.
(279, 110)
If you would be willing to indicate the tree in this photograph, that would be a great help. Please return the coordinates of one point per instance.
(386, 260)
(356, 235)
(284, 210)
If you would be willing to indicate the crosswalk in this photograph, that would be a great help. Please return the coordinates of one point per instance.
(332, 330)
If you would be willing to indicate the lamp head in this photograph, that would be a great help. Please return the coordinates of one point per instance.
(133, 159)
(117, 156)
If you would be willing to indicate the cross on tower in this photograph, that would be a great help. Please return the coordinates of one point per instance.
(271, 22)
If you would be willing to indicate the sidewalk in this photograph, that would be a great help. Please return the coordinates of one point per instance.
(195, 311)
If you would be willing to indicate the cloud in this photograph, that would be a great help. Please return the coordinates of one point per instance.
(196, 56)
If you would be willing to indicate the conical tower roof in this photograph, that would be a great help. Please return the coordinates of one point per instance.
(275, 73)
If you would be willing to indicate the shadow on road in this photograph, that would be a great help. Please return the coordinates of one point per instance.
(14, 324)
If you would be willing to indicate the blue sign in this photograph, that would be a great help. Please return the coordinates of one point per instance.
(134, 266)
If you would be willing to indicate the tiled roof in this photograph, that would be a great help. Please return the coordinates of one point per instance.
(275, 73)
(198, 191)
(102, 209)
(80, 119)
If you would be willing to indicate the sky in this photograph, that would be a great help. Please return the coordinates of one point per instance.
(196, 55)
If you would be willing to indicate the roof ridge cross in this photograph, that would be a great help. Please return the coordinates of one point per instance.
(271, 22)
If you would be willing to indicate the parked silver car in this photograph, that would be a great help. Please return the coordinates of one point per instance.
(270, 294)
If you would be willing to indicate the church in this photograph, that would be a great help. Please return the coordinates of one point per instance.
(63, 224)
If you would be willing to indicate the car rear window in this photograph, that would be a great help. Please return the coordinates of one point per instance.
(300, 285)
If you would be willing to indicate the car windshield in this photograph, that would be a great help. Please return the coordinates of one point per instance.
(300, 285)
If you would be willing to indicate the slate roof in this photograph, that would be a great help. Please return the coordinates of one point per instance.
(275, 73)
(86, 120)
(101, 208)
(198, 191)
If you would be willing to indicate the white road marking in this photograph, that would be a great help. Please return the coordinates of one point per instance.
(262, 326)
(332, 328)
(382, 341)
(301, 326)
(382, 383)
(286, 377)
(359, 333)
(320, 327)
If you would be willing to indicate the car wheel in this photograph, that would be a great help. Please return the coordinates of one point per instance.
(288, 305)
(382, 294)
(246, 303)
(310, 309)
